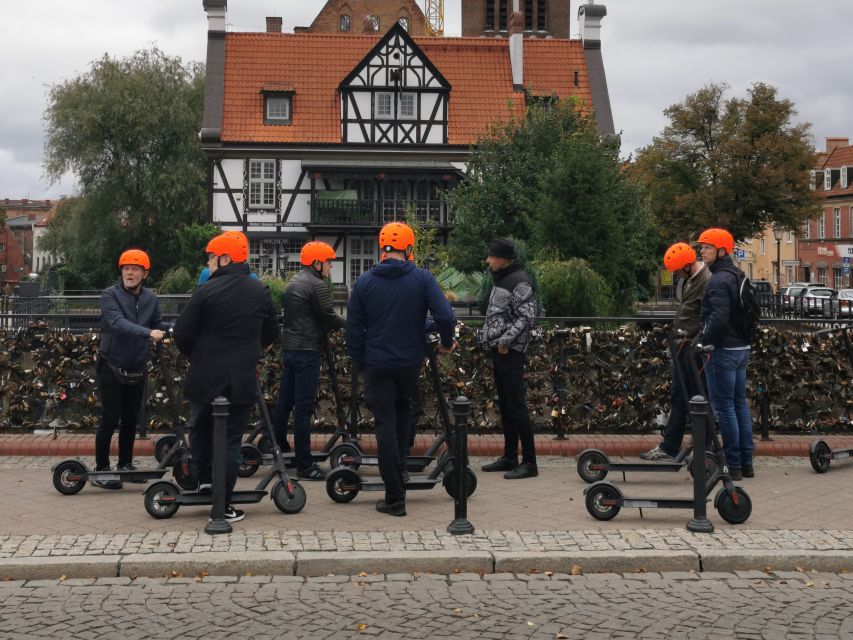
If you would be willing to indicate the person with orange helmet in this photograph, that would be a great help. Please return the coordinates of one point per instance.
(680, 259)
(130, 320)
(721, 326)
(222, 331)
(308, 317)
(386, 317)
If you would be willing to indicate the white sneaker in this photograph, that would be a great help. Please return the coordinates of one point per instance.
(655, 454)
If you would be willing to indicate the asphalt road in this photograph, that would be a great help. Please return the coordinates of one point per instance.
(645, 605)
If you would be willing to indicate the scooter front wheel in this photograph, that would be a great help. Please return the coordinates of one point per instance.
(589, 459)
(160, 500)
(710, 465)
(184, 476)
(289, 504)
(602, 501)
(820, 456)
(68, 477)
(345, 455)
(734, 506)
(250, 460)
(164, 445)
(343, 484)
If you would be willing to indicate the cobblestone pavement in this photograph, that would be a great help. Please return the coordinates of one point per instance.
(645, 605)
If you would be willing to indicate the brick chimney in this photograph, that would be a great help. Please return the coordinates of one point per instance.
(273, 24)
(516, 46)
(836, 143)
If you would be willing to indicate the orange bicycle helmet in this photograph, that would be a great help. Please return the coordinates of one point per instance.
(397, 236)
(679, 256)
(719, 238)
(135, 256)
(231, 243)
(316, 252)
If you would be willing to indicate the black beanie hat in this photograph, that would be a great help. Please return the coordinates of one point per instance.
(502, 248)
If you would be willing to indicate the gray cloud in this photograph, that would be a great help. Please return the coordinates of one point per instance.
(655, 51)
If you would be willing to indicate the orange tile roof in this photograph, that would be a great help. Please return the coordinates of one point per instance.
(840, 157)
(478, 69)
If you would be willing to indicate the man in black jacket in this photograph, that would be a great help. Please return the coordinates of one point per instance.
(726, 372)
(222, 330)
(130, 320)
(308, 316)
(510, 316)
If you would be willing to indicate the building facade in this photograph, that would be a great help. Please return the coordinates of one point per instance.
(368, 16)
(541, 18)
(318, 136)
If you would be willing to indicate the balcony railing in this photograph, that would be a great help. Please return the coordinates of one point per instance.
(375, 213)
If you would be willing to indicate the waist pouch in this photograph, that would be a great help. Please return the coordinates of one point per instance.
(126, 377)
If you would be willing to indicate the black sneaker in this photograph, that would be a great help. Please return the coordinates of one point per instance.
(233, 515)
(524, 470)
(132, 467)
(748, 470)
(392, 508)
(112, 485)
(736, 473)
(311, 473)
(501, 464)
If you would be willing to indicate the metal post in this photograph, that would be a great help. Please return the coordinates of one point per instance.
(699, 523)
(765, 415)
(778, 265)
(217, 522)
(460, 524)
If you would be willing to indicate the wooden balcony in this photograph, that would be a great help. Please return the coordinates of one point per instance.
(375, 213)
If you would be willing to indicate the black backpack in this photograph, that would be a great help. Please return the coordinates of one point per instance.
(746, 317)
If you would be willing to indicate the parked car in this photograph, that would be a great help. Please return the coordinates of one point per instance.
(843, 304)
(817, 301)
(763, 293)
(791, 298)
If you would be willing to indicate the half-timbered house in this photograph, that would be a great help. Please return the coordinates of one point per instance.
(328, 137)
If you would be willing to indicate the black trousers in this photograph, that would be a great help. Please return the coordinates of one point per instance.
(201, 443)
(515, 420)
(392, 396)
(120, 405)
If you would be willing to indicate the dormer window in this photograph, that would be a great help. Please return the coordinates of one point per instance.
(278, 103)
(827, 179)
(844, 182)
(346, 23)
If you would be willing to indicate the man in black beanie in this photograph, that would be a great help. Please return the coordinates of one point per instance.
(510, 316)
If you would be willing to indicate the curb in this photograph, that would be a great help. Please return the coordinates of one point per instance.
(77, 445)
(346, 563)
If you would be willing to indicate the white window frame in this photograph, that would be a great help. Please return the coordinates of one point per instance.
(395, 104)
(345, 18)
(264, 196)
(836, 214)
(827, 179)
(838, 278)
(821, 227)
(380, 113)
(843, 177)
(763, 246)
(414, 113)
(278, 100)
(813, 180)
(821, 275)
(790, 237)
(3, 244)
(807, 230)
(2, 268)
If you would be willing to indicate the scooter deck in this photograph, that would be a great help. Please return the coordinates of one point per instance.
(413, 463)
(414, 484)
(125, 476)
(238, 497)
(841, 454)
(639, 466)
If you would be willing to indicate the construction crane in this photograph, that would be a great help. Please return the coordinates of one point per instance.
(434, 11)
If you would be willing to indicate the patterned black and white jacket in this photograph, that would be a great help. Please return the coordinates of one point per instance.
(511, 313)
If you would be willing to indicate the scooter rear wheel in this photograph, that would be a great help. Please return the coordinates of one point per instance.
(345, 450)
(710, 464)
(450, 481)
(63, 474)
(343, 484)
(734, 509)
(595, 499)
(288, 504)
(250, 460)
(164, 445)
(585, 462)
(264, 445)
(184, 476)
(159, 500)
(820, 456)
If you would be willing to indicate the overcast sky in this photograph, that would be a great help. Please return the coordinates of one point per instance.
(655, 53)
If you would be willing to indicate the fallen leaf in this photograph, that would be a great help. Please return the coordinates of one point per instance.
(549, 573)
(530, 624)
(577, 570)
(363, 574)
(800, 569)
(361, 626)
(809, 583)
(457, 610)
(63, 578)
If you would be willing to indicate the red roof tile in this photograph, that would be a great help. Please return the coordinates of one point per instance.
(478, 69)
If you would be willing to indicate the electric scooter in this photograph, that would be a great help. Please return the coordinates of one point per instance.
(163, 499)
(604, 500)
(593, 464)
(344, 482)
(70, 475)
(820, 454)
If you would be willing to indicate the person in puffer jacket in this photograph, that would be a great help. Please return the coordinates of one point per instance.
(386, 316)
(510, 316)
(726, 372)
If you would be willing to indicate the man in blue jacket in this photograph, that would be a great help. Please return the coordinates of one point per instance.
(386, 316)
(726, 372)
(130, 320)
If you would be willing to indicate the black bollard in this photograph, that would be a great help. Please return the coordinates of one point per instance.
(217, 522)
(460, 524)
(699, 523)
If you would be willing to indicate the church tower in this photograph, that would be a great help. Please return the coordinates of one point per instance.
(542, 18)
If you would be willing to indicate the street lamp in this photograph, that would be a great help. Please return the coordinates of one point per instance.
(777, 233)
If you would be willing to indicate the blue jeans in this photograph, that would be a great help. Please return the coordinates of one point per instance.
(300, 376)
(201, 442)
(726, 375)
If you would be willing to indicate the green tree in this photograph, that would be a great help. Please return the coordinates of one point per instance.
(737, 163)
(127, 129)
(572, 288)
